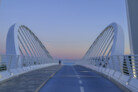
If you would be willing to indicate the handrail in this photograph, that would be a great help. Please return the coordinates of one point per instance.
(21, 64)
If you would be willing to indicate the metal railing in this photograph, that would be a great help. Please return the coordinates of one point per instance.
(125, 64)
(122, 69)
(8, 62)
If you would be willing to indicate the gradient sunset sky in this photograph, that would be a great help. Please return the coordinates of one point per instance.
(66, 27)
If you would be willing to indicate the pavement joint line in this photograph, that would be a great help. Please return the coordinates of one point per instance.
(81, 89)
(38, 89)
(85, 71)
(79, 76)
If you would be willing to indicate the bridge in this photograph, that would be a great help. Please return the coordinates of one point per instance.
(29, 67)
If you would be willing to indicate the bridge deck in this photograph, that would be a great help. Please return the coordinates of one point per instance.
(78, 79)
(30, 81)
(67, 79)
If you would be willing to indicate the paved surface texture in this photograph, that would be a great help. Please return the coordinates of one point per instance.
(30, 81)
(78, 79)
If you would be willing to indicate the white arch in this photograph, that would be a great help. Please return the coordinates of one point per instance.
(23, 45)
(12, 47)
(12, 42)
(110, 41)
(118, 44)
(118, 41)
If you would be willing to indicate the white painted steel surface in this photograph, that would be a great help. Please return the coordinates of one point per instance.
(132, 16)
(24, 53)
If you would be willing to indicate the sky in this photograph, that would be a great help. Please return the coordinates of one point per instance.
(66, 27)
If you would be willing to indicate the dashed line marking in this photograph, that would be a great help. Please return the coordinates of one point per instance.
(80, 82)
(81, 89)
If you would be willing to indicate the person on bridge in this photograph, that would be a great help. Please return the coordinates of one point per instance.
(59, 61)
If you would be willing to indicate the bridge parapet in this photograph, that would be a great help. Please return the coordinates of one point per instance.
(24, 53)
(106, 56)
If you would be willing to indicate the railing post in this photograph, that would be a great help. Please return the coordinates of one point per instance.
(133, 60)
(114, 64)
(17, 61)
(129, 67)
(9, 63)
(24, 64)
(109, 59)
(120, 64)
(106, 63)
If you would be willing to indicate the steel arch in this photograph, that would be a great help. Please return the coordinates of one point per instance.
(22, 41)
(109, 43)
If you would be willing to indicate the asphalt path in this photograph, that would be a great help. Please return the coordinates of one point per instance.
(72, 78)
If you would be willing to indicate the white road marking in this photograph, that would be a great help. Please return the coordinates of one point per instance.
(76, 72)
(80, 82)
(81, 89)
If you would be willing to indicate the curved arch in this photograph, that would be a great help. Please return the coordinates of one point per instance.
(112, 32)
(22, 41)
(12, 47)
(110, 42)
